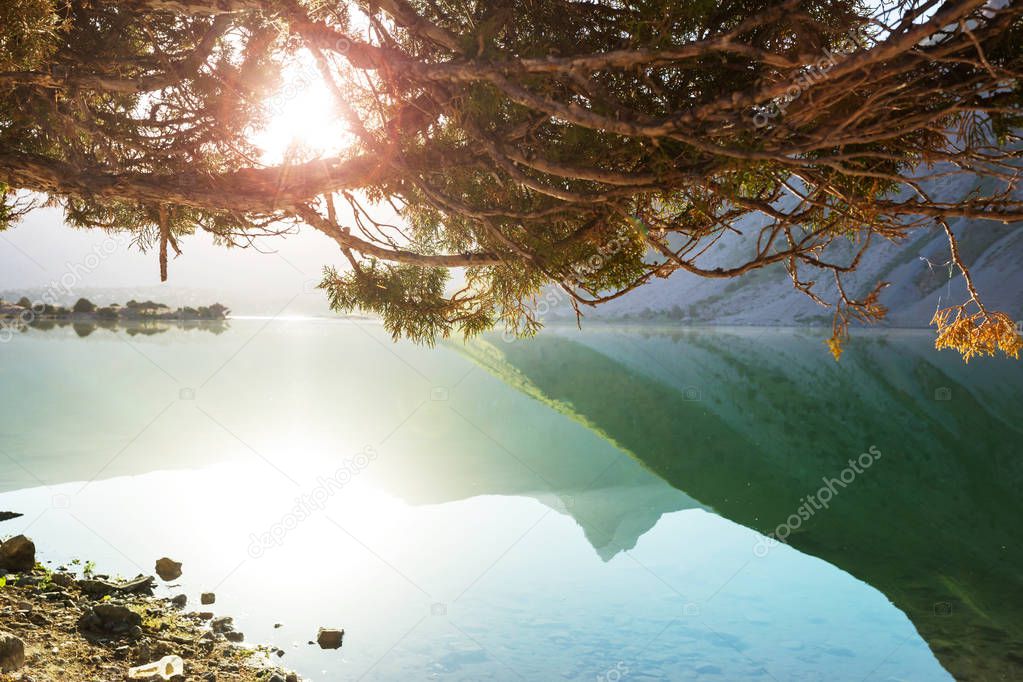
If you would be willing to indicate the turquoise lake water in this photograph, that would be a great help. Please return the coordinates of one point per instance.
(581, 506)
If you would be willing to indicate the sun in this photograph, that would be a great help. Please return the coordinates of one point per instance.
(303, 118)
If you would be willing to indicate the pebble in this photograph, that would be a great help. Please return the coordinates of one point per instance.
(168, 569)
(18, 554)
(330, 638)
(110, 617)
(12, 652)
(222, 624)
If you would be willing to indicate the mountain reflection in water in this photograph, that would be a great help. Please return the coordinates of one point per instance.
(616, 430)
(749, 423)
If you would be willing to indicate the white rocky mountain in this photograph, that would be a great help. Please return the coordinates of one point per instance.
(917, 269)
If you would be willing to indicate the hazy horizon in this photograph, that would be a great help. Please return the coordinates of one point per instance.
(42, 254)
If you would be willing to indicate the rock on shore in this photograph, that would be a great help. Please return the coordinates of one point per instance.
(12, 652)
(168, 569)
(18, 554)
(59, 626)
(330, 638)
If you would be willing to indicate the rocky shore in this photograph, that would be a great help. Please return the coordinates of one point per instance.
(63, 624)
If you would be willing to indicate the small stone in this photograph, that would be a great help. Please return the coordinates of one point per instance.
(168, 569)
(179, 600)
(109, 617)
(292, 677)
(63, 579)
(97, 588)
(222, 624)
(18, 554)
(275, 678)
(12, 652)
(329, 638)
(205, 615)
(277, 626)
(234, 636)
(208, 598)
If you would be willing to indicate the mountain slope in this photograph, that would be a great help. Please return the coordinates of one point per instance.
(916, 267)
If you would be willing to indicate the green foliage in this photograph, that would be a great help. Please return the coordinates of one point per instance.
(410, 299)
(28, 33)
(558, 153)
(203, 123)
(9, 213)
(84, 305)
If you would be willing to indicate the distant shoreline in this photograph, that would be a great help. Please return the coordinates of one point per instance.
(27, 312)
(85, 317)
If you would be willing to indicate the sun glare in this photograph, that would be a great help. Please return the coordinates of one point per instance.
(302, 118)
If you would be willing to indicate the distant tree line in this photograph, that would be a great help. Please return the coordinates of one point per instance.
(27, 311)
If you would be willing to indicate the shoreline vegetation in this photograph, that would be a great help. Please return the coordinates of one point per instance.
(71, 623)
(146, 317)
(86, 310)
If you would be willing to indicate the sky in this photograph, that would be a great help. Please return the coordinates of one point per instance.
(42, 255)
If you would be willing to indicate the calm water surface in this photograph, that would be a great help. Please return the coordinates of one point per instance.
(587, 506)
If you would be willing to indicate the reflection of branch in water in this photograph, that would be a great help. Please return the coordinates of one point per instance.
(132, 327)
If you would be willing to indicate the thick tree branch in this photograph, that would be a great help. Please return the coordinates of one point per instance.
(249, 190)
(347, 241)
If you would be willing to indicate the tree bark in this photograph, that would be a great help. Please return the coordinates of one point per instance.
(249, 190)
